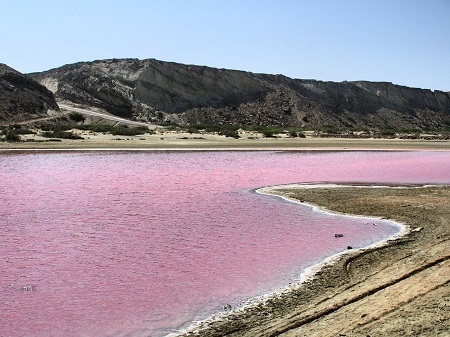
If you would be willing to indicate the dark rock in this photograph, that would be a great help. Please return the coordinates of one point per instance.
(22, 98)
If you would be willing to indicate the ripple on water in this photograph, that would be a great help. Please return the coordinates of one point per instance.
(126, 243)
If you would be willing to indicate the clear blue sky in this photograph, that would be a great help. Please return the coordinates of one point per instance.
(406, 42)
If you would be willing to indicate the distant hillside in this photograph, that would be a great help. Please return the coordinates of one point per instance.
(22, 98)
(157, 91)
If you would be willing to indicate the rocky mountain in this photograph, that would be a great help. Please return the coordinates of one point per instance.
(22, 98)
(159, 91)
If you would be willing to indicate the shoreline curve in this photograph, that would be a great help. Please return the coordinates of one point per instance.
(307, 273)
(337, 289)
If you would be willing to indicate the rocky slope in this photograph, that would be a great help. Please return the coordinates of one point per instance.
(22, 98)
(156, 91)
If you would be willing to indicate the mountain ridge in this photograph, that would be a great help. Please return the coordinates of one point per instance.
(159, 91)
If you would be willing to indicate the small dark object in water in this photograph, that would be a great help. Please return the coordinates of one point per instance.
(29, 287)
(349, 247)
(338, 235)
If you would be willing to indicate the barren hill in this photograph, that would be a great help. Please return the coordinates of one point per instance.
(22, 98)
(158, 91)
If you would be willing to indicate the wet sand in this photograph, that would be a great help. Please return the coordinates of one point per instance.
(401, 288)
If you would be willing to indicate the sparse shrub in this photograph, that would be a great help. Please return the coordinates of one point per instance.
(23, 131)
(409, 130)
(126, 131)
(61, 134)
(387, 132)
(12, 136)
(230, 133)
(268, 134)
(330, 129)
(77, 117)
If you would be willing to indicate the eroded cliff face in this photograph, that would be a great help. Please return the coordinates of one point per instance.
(22, 98)
(156, 91)
(176, 88)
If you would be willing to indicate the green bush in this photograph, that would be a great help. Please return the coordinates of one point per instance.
(230, 133)
(387, 132)
(126, 131)
(330, 129)
(268, 134)
(409, 130)
(23, 131)
(193, 130)
(12, 136)
(77, 117)
(295, 134)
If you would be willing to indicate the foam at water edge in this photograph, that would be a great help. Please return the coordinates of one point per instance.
(310, 272)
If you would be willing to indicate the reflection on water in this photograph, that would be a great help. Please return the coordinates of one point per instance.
(138, 243)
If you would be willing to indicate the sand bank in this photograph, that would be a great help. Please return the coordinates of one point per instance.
(397, 288)
(173, 140)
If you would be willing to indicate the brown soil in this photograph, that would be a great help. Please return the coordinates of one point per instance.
(399, 289)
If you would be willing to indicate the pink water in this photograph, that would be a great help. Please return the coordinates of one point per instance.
(142, 243)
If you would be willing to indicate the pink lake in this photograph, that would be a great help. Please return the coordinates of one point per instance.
(141, 243)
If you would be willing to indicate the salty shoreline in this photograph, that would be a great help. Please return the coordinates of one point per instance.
(309, 272)
(348, 279)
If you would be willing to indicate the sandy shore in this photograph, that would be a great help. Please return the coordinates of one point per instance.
(248, 141)
(401, 288)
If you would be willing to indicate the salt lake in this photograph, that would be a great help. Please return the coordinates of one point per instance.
(142, 243)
